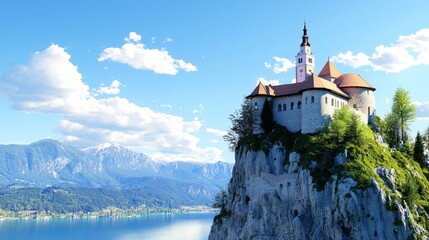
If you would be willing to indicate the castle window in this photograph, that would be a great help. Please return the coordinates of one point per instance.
(300, 60)
(332, 102)
(279, 108)
(312, 99)
(306, 100)
(291, 106)
(299, 104)
(310, 60)
(284, 106)
(326, 100)
(369, 111)
(354, 106)
(256, 105)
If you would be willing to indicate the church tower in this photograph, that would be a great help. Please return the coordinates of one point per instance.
(304, 59)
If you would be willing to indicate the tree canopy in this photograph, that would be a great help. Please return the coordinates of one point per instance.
(242, 122)
(419, 150)
(267, 121)
(403, 111)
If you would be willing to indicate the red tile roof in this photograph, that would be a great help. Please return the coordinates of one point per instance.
(329, 71)
(352, 80)
(312, 82)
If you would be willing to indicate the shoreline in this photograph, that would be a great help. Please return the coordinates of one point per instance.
(110, 212)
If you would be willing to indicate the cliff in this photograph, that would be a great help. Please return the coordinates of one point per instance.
(276, 193)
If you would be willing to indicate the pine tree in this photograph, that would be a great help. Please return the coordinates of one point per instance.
(419, 150)
(243, 121)
(267, 121)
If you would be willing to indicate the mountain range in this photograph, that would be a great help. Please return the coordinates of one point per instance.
(49, 163)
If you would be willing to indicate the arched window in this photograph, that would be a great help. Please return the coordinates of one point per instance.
(256, 105)
(279, 108)
(306, 100)
(332, 102)
(312, 99)
(291, 106)
(299, 104)
(369, 111)
(326, 100)
(284, 106)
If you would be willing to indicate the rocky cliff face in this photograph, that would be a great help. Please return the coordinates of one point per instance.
(268, 199)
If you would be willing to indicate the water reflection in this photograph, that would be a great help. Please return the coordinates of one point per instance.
(162, 226)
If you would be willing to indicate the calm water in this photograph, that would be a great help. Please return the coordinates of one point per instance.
(163, 226)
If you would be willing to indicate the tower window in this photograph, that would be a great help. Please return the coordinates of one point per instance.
(279, 108)
(300, 60)
(306, 100)
(284, 106)
(299, 104)
(291, 106)
(326, 100)
(312, 99)
(310, 60)
(256, 105)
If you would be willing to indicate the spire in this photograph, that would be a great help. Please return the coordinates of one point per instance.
(305, 37)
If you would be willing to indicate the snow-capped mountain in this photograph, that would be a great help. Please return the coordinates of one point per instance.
(51, 163)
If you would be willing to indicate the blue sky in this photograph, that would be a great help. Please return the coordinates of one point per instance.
(162, 77)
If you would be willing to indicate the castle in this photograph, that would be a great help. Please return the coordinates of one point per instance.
(307, 104)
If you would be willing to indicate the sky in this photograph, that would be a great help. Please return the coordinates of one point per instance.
(162, 77)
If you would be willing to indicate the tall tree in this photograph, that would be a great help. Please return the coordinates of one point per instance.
(242, 121)
(419, 150)
(267, 121)
(404, 111)
(390, 129)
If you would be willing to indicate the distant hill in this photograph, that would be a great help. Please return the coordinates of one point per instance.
(49, 163)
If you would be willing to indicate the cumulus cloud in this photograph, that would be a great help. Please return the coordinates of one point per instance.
(133, 37)
(48, 83)
(281, 65)
(217, 132)
(110, 90)
(422, 110)
(136, 55)
(409, 50)
(51, 83)
(266, 82)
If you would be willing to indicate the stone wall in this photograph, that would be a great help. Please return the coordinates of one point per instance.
(288, 117)
(362, 100)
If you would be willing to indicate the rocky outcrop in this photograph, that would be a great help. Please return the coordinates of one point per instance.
(270, 196)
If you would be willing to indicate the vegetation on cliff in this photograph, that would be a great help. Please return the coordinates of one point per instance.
(346, 147)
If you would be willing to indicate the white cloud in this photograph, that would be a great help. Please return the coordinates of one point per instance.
(113, 89)
(48, 83)
(422, 110)
(168, 40)
(199, 109)
(137, 56)
(266, 82)
(293, 80)
(387, 100)
(214, 141)
(409, 50)
(133, 37)
(51, 83)
(217, 132)
(282, 65)
(355, 61)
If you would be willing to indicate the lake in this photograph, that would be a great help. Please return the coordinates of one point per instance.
(160, 226)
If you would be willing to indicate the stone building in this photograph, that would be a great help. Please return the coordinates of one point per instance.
(307, 104)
